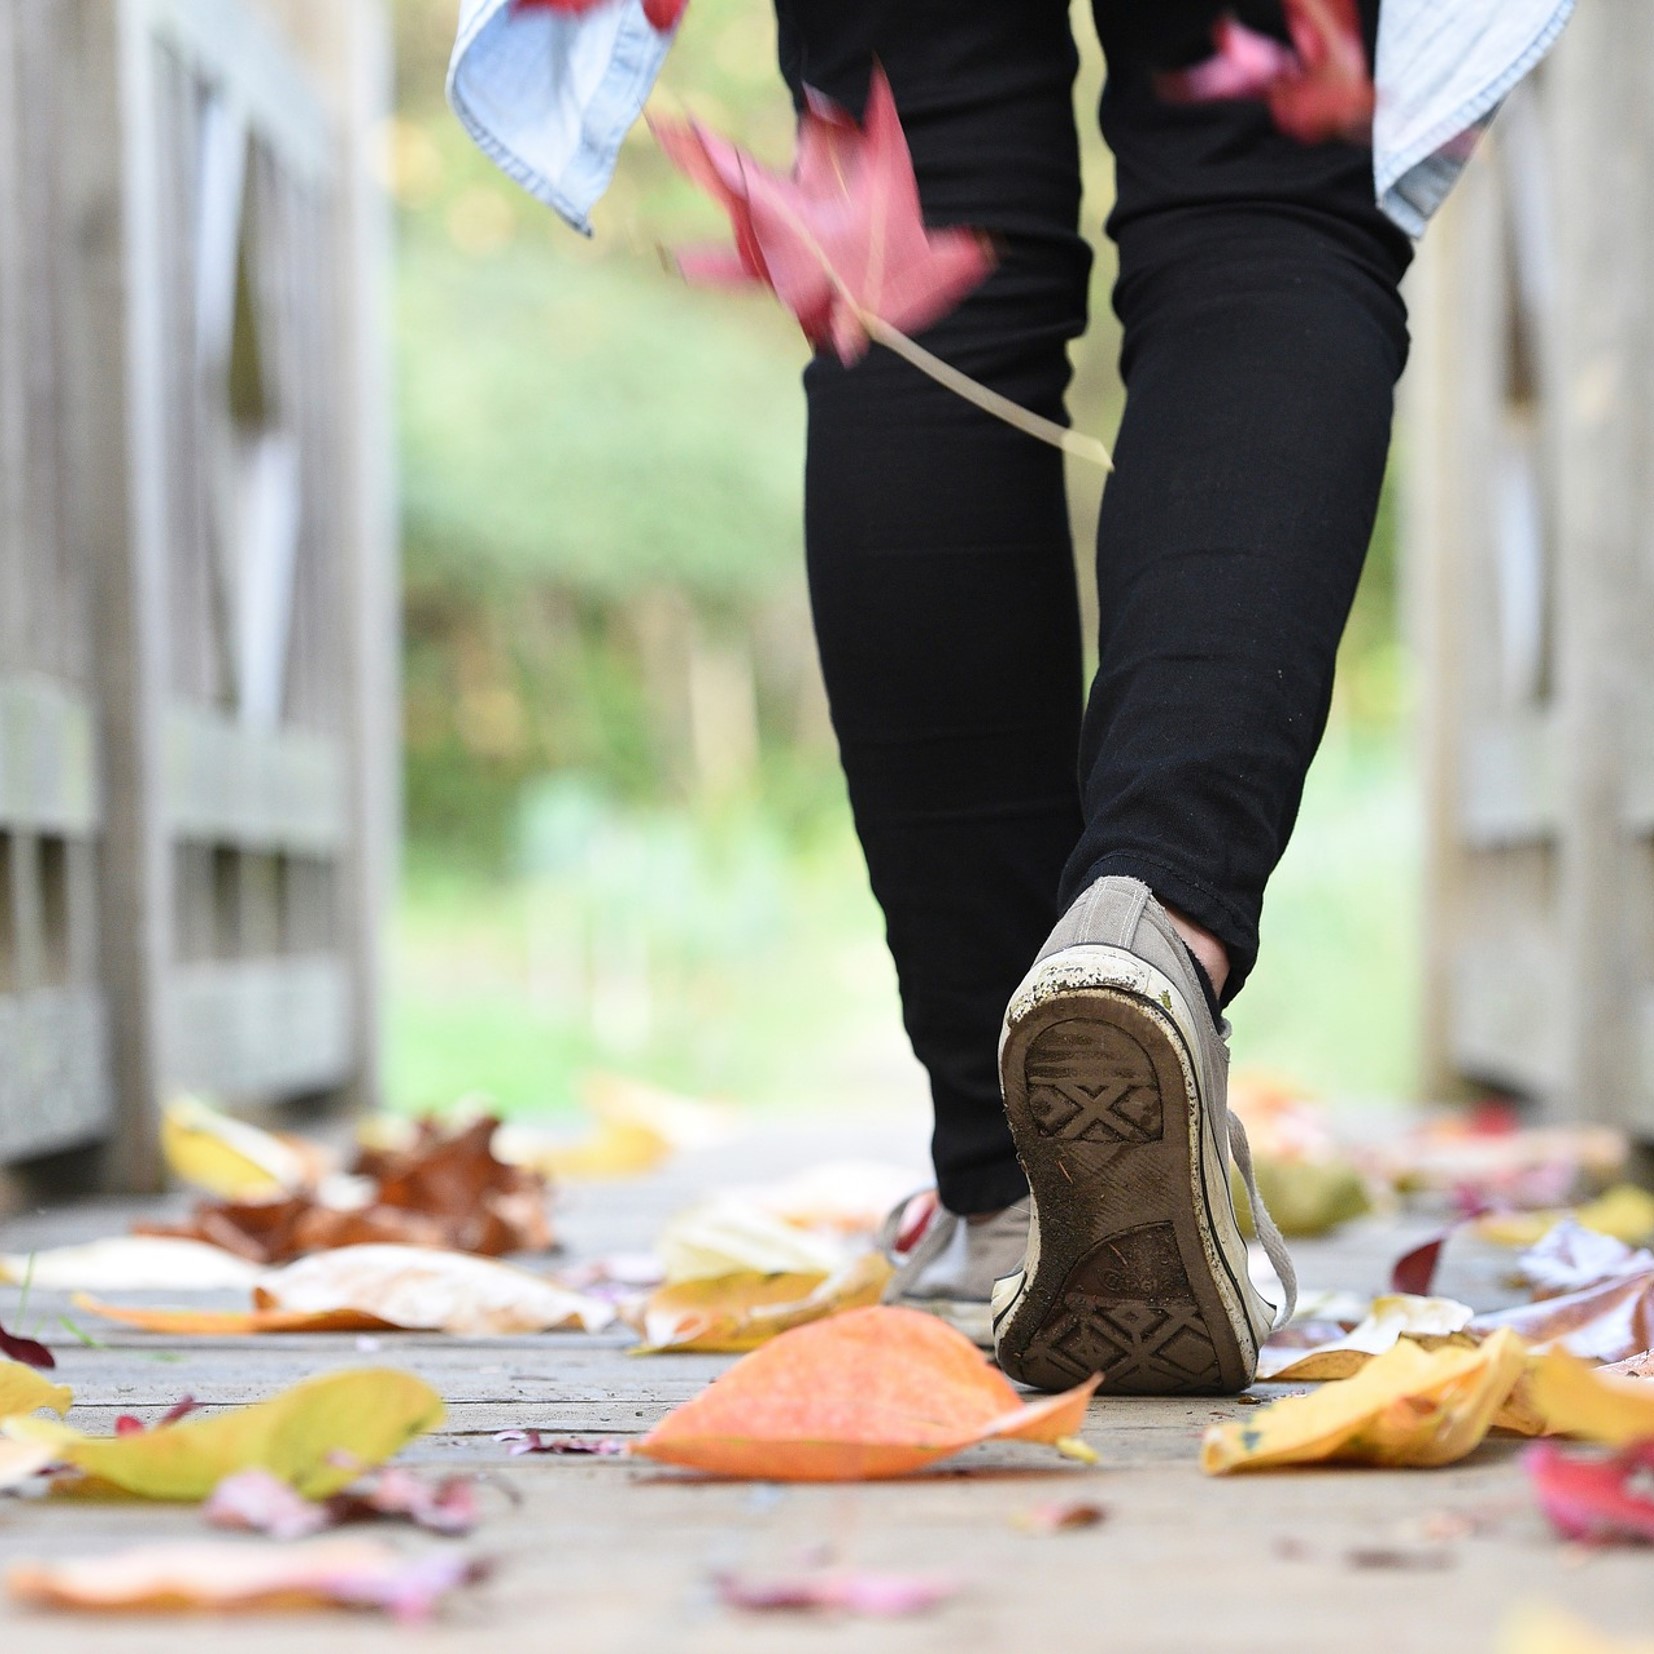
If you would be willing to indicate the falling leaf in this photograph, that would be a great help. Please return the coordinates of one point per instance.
(1059, 1516)
(318, 1436)
(520, 1442)
(867, 1394)
(1408, 1406)
(373, 1288)
(1592, 1499)
(29, 1351)
(1571, 1257)
(730, 1236)
(1624, 1212)
(232, 1158)
(863, 1595)
(1603, 1323)
(1427, 1321)
(133, 1263)
(1317, 88)
(226, 1577)
(841, 242)
(23, 1390)
(255, 1501)
(1576, 1400)
(736, 1313)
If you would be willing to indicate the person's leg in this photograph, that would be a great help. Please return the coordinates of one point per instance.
(940, 562)
(1263, 337)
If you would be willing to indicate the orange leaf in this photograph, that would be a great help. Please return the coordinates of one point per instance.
(233, 1322)
(867, 1394)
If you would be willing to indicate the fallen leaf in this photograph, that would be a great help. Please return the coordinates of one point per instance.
(1539, 1628)
(735, 1313)
(377, 1288)
(21, 1462)
(1593, 1500)
(868, 1394)
(1625, 1212)
(1608, 1322)
(1317, 88)
(1570, 1257)
(1305, 1197)
(841, 241)
(23, 1390)
(863, 1595)
(1414, 1272)
(1408, 1406)
(1634, 1366)
(232, 1158)
(228, 1577)
(729, 1236)
(318, 1436)
(520, 1442)
(256, 1501)
(128, 1425)
(845, 1197)
(1427, 1321)
(1577, 1400)
(1059, 1515)
(132, 1263)
(29, 1351)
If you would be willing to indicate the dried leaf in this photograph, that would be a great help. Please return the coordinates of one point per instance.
(1625, 1212)
(255, 1501)
(1316, 89)
(1414, 1272)
(1634, 1366)
(520, 1442)
(841, 240)
(232, 1158)
(845, 1197)
(1571, 1257)
(637, 1127)
(318, 1436)
(1059, 1516)
(863, 1595)
(736, 1313)
(1577, 1400)
(1603, 1323)
(730, 1236)
(867, 1394)
(1408, 1406)
(23, 1390)
(1594, 1500)
(29, 1351)
(230, 1577)
(230, 1323)
(132, 1263)
(1427, 1321)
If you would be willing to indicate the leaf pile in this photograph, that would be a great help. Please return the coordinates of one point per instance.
(442, 1190)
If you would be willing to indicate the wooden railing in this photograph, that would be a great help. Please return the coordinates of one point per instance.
(195, 605)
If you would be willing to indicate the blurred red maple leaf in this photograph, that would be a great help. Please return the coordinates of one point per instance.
(841, 240)
(1317, 88)
(664, 14)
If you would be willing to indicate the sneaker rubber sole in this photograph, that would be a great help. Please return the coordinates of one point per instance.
(1125, 1275)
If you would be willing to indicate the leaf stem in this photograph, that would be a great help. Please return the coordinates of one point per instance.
(1001, 407)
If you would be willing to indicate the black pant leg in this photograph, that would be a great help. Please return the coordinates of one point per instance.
(1263, 337)
(940, 562)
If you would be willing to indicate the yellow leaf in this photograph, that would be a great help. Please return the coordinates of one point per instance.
(1573, 1399)
(1305, 1197)
(23, 1390)
(1624, 1211)
(228, 1157)
(317, 1436)
(732, 1314)
(1429, 1322)
(1408, 1406)
(1539, 1628)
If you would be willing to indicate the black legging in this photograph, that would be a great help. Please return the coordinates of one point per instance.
(1263, 338)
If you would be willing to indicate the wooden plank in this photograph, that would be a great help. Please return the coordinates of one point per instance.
(265, 789)
(260, 1027)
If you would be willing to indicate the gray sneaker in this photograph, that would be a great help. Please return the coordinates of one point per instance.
(947, 1265)
(1116, 1079)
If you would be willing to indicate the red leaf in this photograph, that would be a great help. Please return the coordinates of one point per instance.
(26, 1350)
(1415, 1271)
(129, 1425)
(663, 14)
(1593, 1499)
(1316, 89)
(841, 241)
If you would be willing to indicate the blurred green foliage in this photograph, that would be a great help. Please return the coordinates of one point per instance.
(602, 480)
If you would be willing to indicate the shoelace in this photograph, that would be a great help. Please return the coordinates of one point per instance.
(1269, 1235)
(933, 1241)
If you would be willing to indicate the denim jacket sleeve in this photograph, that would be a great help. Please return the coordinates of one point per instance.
(550, 96)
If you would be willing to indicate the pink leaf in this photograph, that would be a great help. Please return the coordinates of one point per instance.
(1593, 1499)
(27, 1350)
(1318, 88)
(841, 240)
(864, 1594)
(255, 1501)
(519, 1442)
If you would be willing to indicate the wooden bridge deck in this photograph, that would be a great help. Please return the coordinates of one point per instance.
(610, 1555)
